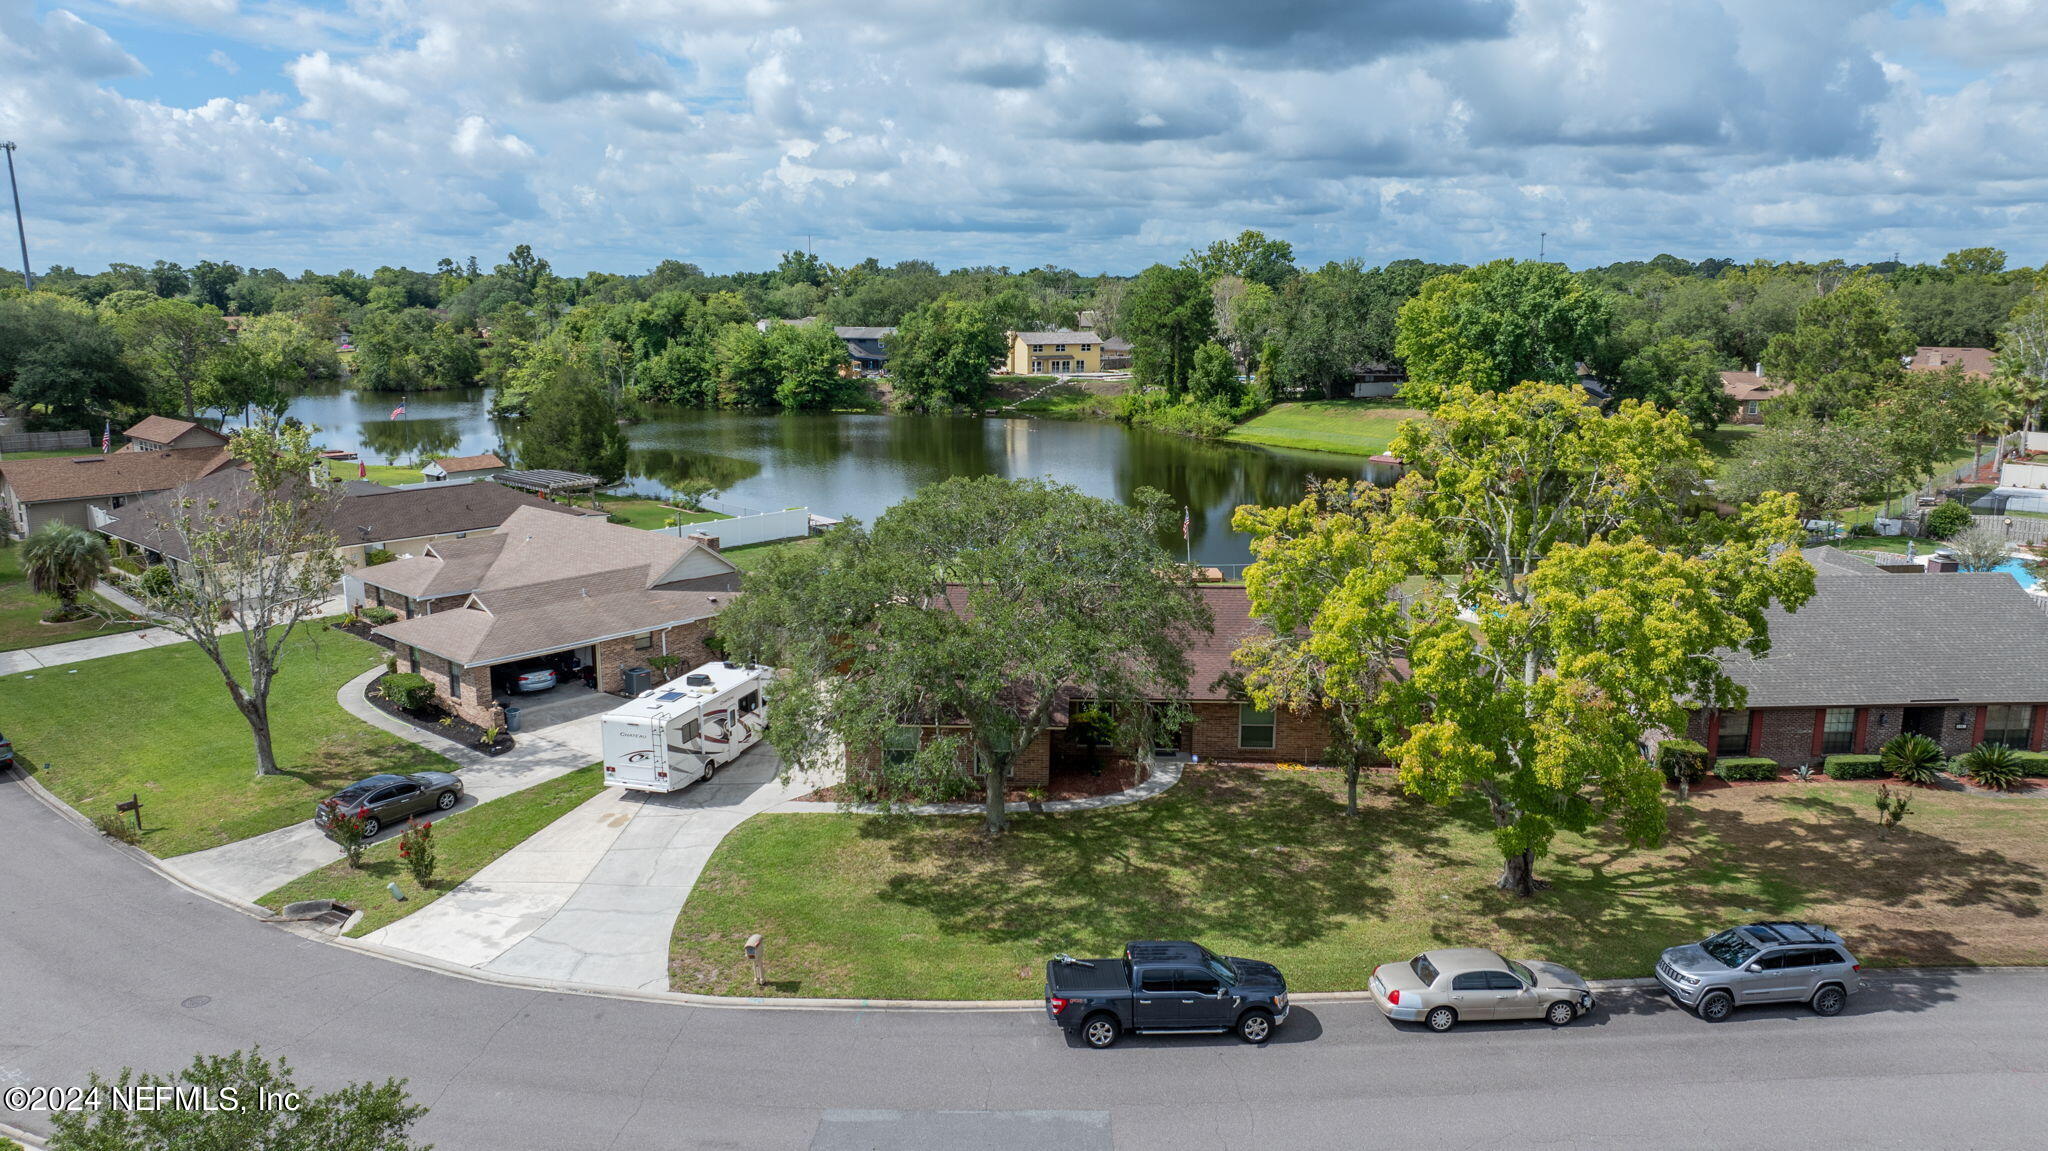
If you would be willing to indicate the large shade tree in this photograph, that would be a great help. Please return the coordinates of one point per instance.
(1497, 325)
(981, 606)
(1535, 597)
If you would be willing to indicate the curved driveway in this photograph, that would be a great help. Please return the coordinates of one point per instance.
(104, 963)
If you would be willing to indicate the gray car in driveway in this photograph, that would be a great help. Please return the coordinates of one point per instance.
(382, 800)
(1762, 963)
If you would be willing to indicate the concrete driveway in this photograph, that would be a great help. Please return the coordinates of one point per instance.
(593, 897)
(566, 739)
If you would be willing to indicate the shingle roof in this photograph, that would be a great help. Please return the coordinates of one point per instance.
(84, 477)
(1063, 336)
(1975, 361)
(1870, 638)
(1749, 386)
(456, 464)
(164, 430)
(545, 582)
(854, 333)
(383, 516)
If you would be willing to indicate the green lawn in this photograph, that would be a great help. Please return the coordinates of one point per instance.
(1263, 863)
(462, 846)
(1353, 427)
(748, 558)
(646, 513)
(159, 723)
(1727, 441)
(389, 474)
(22, 610)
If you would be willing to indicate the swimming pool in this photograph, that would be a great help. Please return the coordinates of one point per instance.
(2017, 569)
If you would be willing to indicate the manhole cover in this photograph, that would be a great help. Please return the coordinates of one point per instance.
(196, 1001)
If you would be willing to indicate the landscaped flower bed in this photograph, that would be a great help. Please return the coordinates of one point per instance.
(434, 718)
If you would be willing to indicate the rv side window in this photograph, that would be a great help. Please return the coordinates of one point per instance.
(682, 735)
(750, 701)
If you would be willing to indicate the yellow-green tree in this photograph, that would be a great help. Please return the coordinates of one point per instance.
(1537, 596)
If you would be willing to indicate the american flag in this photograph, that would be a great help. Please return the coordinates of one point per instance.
(362, 470)
(107, 437)
(398, 411)
(1184, 523)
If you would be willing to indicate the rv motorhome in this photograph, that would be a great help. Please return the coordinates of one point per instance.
(686, 729)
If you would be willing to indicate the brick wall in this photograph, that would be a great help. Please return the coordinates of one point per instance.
(476, 704)
(1787, 734)
(1031, 768)
(684, 641)
(1298, 737)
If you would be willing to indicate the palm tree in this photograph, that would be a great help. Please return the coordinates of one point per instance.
(64, 560)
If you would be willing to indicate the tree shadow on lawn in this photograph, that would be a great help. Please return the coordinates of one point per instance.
(343, 759)
(1226, 854)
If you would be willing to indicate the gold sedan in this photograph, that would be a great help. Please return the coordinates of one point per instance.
(1440, 989)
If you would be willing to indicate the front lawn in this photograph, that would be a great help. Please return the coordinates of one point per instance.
(1353, 427)
(159, 723)
(463, 845)
(22, 610)
(388, 474)
(748, 558)
(1263, 863)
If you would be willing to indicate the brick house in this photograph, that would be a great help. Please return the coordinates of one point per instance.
(1752, 394)
(571, 592)
(1949, 655)
(1224, 727)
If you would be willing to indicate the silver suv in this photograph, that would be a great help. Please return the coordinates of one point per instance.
(1762, 963)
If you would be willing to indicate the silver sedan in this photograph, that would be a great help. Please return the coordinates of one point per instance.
(1441, 988)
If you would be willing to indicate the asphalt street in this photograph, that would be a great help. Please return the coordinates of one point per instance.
(104, 963)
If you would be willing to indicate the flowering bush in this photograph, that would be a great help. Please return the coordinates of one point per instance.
(416, 850)
(346, 829)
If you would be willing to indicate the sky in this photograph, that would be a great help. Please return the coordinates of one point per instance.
(1100, 136)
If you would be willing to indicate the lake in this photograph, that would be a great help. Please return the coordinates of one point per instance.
(858, 465)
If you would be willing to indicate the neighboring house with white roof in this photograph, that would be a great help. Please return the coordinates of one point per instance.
(546, 589)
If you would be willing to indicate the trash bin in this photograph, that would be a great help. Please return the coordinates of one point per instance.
(511, 719)
(639, 679)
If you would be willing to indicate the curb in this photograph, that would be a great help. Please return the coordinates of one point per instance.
(32, 1142)
(691, 999)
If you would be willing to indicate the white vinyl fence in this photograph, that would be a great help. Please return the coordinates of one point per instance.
(764, 527)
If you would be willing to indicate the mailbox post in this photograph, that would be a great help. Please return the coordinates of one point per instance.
(760, 965)
(133, 804)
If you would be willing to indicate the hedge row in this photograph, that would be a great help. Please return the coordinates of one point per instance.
(1734, 767)
(1852, 767)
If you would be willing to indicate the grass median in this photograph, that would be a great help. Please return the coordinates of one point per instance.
(463, 845)
(159, 724)
(1350, 427)
(1264, 863)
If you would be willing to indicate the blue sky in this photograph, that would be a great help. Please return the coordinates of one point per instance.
(615, 133)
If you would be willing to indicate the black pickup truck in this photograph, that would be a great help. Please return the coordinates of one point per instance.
(1164, 987)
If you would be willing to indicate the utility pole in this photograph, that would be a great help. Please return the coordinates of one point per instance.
(28, 276)
(1542, 245)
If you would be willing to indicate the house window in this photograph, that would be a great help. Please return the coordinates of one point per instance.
(643, 642)
(999, 743)
(1254, 727)
(899, 747)
(1087, 347)
(1059, 347)
(454, 680)
(1733, 738)
(1838, 731)
(2011, 724)
(750, 703)
(1749, 408)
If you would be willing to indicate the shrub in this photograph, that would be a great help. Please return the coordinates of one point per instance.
(378, 616)
(416, 848)
(117, 826)
(1735, 767)
(664, 666)
(346, 829)
(616, 518)
(157, 581)
(408, 690)
(375, 556)
(1991, 765)
(2033, 763)
(1948, 519)
(1852, 766)
(1913, 758)
(1682, 760)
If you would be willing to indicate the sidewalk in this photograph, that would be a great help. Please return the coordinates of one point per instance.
(251, 867)
(99, 646)
(592, 899)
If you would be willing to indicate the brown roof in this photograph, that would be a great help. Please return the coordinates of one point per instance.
(373, 516)
(1975, 361)
(85, 477)
(165, 430)
(1749, 386)
(482, 463)
(541, 583)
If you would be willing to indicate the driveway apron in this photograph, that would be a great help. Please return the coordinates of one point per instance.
(592, 898)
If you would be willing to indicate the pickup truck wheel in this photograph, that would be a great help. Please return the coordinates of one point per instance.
(1255, 1027)
(1440, 1019)
(1099, 1031)
(1560, 1013)
(1829, 1001)
(1716, 1006)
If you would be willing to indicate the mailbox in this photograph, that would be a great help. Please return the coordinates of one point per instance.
(753, 949)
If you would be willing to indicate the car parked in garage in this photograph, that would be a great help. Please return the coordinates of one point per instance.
(1441, 989)
(1762, 963)
(384, 799)
(533, 679)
